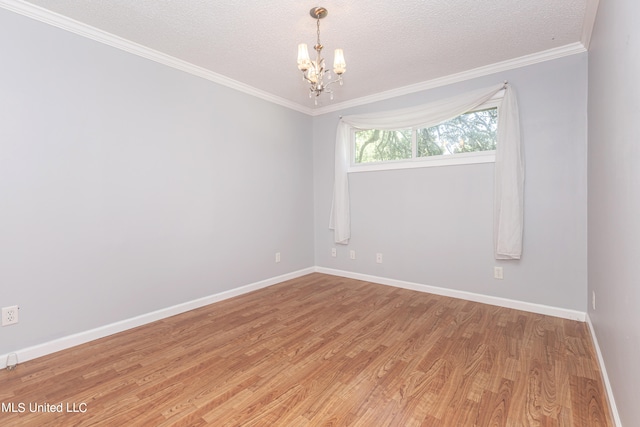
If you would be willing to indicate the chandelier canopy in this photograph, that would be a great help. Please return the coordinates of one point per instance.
(313, 72)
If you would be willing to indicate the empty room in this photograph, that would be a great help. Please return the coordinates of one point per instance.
(413, 213)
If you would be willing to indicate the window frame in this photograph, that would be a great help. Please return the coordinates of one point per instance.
(429, 161)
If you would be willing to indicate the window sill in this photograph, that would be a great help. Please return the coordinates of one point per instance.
(452, 160)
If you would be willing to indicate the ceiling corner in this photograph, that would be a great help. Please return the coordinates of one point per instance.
(589, 22)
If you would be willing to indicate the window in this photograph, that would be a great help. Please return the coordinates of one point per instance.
(468, 138)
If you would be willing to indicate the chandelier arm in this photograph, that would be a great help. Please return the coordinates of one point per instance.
(337, 80)
(305, 78)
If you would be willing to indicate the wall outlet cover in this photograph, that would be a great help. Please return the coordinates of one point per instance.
(9, 315)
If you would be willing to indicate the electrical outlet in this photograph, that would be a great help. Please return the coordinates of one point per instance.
(379, 258)
(352, 254)
(9, 315)
(497, 273)
(593, 299)
(334, 252)
(277, 256)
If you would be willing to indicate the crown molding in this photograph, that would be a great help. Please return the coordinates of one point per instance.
(589, 22)
(523, 61)
(48, 17)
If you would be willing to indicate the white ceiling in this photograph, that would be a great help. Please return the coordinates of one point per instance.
(388, 44)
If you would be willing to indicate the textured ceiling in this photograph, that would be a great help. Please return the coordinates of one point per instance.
(387, 44)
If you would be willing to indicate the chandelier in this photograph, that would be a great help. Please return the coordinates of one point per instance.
(313, 72)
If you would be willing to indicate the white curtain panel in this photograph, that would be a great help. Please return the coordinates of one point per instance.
(509, 166)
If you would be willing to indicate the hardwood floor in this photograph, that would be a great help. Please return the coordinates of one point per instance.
(322, 350)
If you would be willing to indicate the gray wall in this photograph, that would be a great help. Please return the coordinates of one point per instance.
(434, 225)
(614, 197)
(127, 186)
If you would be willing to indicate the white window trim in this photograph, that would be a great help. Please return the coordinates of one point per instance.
(430, 161)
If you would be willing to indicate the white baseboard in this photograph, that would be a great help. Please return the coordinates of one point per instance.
(502, 302)
(469, 296)
(63, 343)
(605, 378)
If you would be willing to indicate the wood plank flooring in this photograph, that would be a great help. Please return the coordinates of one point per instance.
(322, 351)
